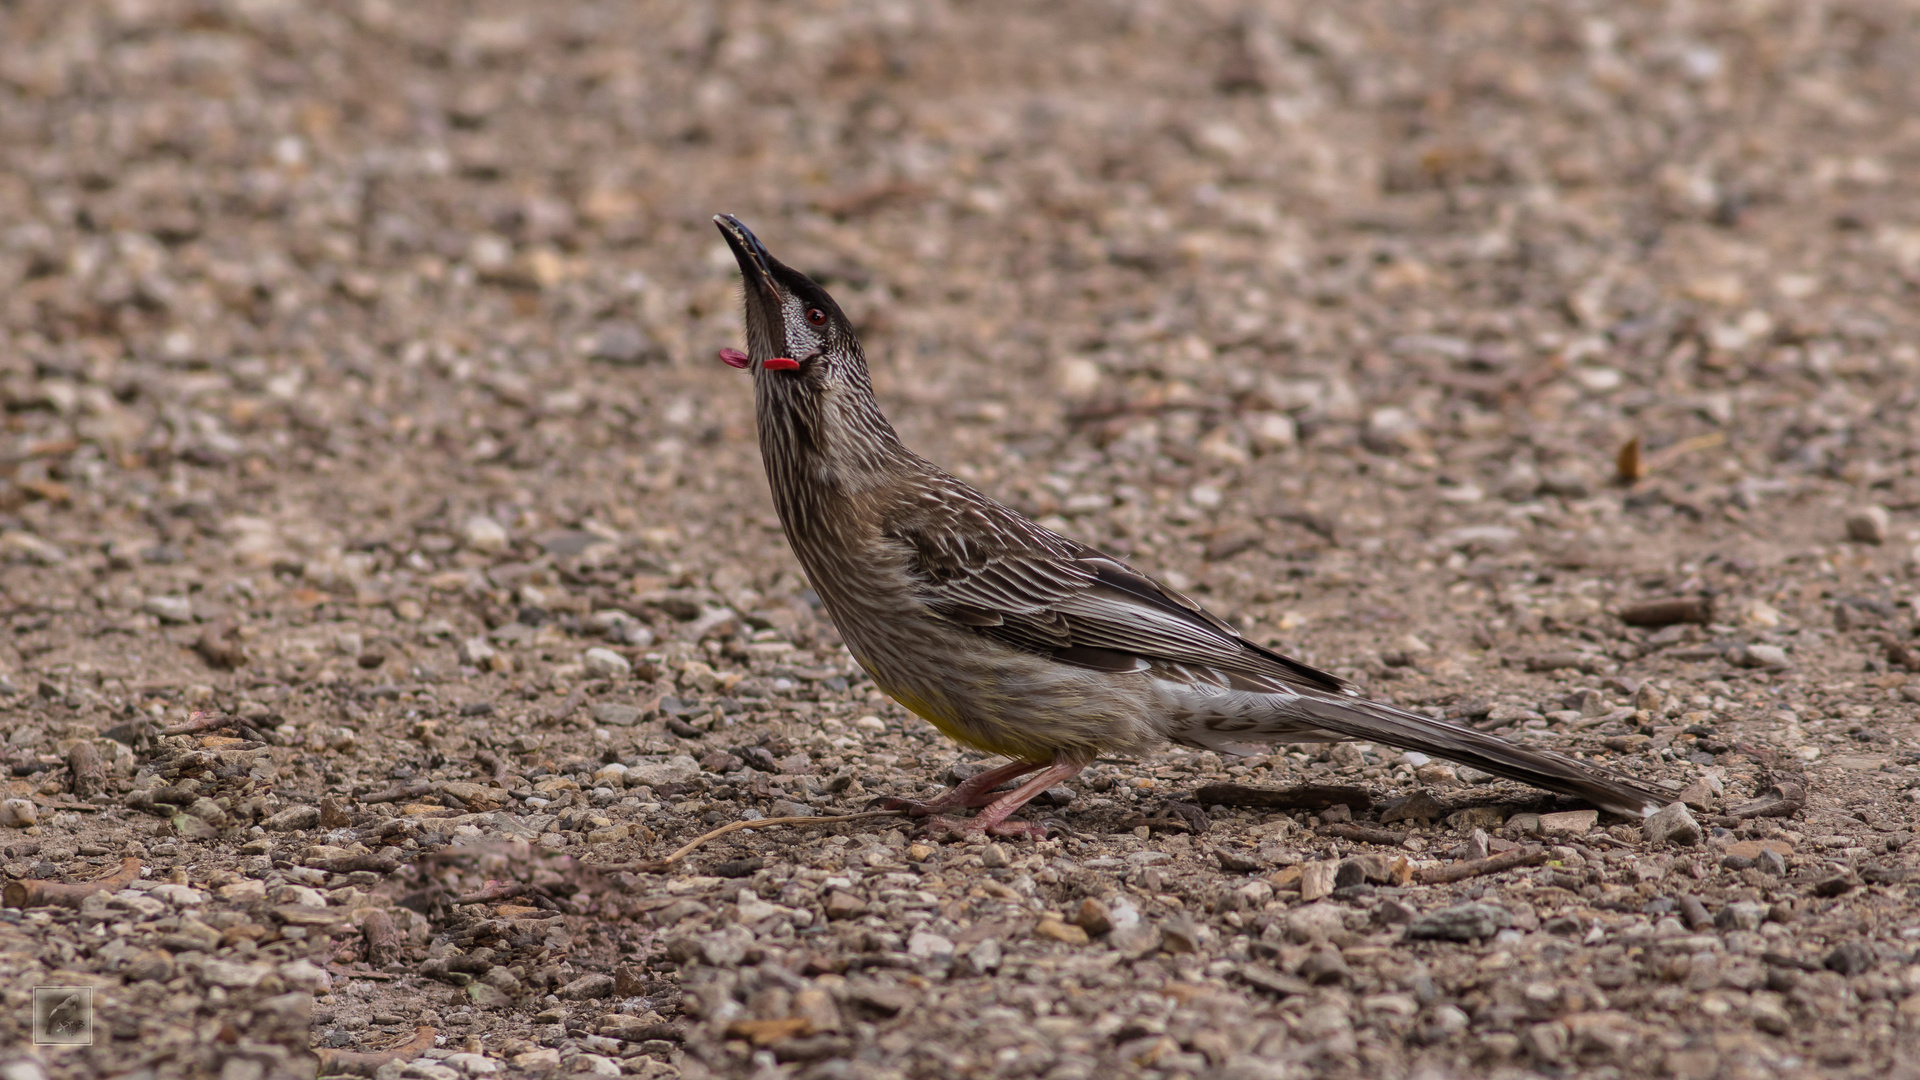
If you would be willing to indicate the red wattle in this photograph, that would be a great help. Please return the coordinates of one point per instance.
(735, 358)
(780, 363)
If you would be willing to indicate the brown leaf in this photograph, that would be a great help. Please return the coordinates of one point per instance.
(1627, 466)
(768, 1032)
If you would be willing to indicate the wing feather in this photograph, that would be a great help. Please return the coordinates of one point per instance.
(984, 567)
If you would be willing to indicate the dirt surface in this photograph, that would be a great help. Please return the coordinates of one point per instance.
(359, 384)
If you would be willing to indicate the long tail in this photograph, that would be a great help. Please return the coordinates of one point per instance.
(1314, 716)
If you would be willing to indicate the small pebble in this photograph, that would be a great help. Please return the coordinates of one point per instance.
(1741, 915)
(844, 905)
(1324, 967)
(606, 664)
(983, 958)
(1759, 656)
(475, 652)
(1055, 930)
(1868, 525)
(484, 535)
(169, 609)
(1587, 703)
(1094, 917)
(1648, 698)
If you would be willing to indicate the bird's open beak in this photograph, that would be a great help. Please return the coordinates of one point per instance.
(749, 252)
(766, 331)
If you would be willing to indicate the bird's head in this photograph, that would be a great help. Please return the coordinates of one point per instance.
(798, 340)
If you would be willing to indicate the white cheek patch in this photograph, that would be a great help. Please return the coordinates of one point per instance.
(803, 339)
(797, 330)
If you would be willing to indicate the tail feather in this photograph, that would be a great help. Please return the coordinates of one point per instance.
(1358, 718)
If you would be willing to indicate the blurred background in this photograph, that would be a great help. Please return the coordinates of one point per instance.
(1287, 301)
(1108, 258)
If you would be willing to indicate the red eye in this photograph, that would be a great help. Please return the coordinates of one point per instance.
(816, 317)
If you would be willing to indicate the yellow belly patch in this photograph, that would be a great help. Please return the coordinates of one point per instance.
(950, 726)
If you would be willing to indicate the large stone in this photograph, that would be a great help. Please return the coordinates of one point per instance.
(1066, 933)
(232, 976)
(1569, 823)
(725, 947)
(545, 1059)
(1672, 825)
(1462, 922)
(1317, 879)
(478, 798)
(1741, 915)
(18, 814)
(614, 714)
(293, 819)
(1418, 806)
(487, 997)
(1743, 854)
(654, 771)
(1316, 922)
(586, 988)
(922, 945)
(844, 905)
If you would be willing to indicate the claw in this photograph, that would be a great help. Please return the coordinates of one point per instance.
(1021, 830)
(971, 829)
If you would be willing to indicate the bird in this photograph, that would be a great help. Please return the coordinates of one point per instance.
(1013, 639)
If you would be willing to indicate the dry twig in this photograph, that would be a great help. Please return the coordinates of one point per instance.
(359, 1063)
(30, 892)
(199, 720)
(660, 866)
(1531, 855)
(1366, 834)
(399, 794)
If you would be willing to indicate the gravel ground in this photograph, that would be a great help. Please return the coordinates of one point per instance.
(390, 574)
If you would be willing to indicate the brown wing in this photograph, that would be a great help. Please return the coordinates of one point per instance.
(983, 566)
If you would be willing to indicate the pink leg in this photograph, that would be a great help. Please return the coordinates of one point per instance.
(993, 819)
(975, 791)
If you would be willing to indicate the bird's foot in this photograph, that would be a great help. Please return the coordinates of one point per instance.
(974, 829)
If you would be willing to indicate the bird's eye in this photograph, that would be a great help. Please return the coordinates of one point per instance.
(816, 317)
